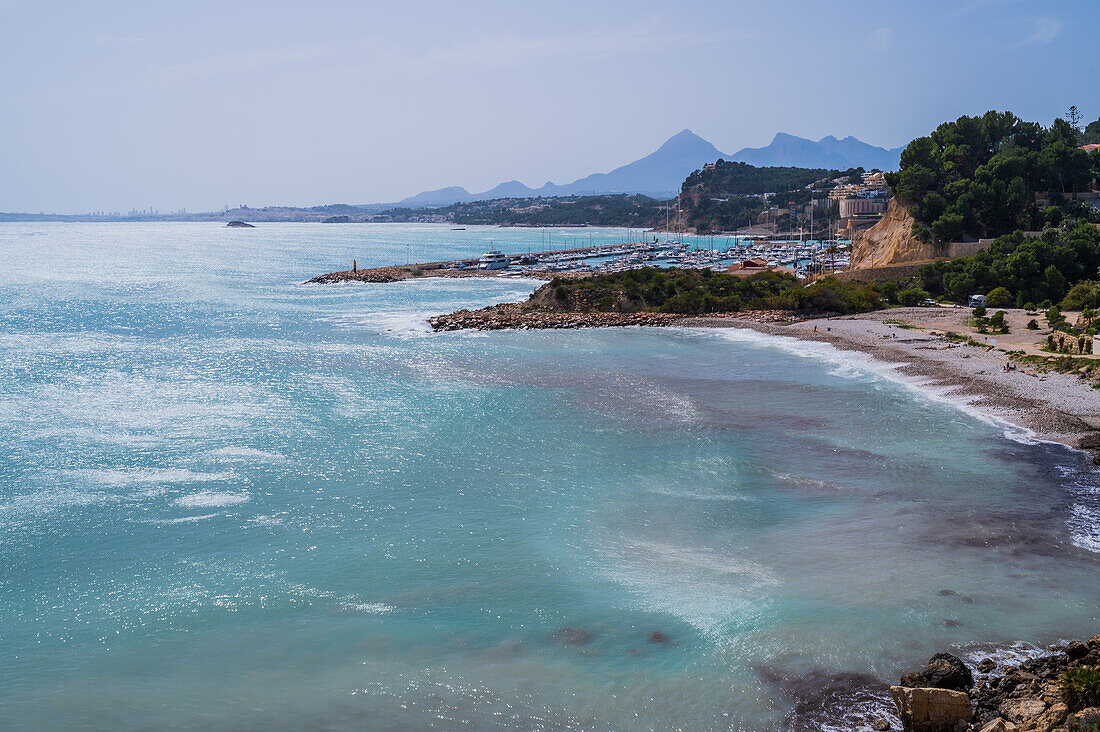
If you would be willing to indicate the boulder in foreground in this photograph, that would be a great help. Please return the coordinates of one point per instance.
(925, 709)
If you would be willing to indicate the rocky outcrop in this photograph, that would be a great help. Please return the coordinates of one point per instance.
(1023, 698)
(520, 316)
(925, 709)
(943, 671)
(891, 241)
(1085, 720)
(515, 316)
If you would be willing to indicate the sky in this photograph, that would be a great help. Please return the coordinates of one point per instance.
(109, 106)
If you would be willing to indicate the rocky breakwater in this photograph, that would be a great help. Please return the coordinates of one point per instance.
(374, 274)
(515, 316)
(1056, 692)
(522, 316)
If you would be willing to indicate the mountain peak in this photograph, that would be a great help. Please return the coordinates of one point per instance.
(828, 152)
(661, 173)
(686, 141)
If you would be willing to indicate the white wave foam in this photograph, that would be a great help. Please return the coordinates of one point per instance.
(248, 453)
(264, 520)
(185, 519)
(147, 476)
(399, 323)
(1084, 525)
(707, 588)
(372, 608)
(212, 499)
(803, 481)
(1005, 656)
(698, 495)
(48, 500)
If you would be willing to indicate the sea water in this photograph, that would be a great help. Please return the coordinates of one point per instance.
(230, 500)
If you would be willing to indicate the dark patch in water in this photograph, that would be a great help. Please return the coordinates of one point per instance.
(574, 636)
(822, 697)
(952, 593)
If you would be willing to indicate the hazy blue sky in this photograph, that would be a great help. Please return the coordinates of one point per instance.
(112, 105)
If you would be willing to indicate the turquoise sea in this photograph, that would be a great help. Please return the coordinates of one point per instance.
(229, 500)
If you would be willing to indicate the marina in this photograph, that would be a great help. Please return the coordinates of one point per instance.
(804, 258)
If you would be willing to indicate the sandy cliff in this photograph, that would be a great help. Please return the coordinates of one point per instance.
(891, 241)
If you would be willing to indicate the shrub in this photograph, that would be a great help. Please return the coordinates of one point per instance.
(913, 296)
(1029, 306)
(560, 292)
(1081, 687)
(1032, 325)
(979, 312)
(997, 322)
(1085, 294)
(999, 297)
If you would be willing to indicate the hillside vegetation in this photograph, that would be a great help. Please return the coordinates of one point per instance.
(728, 195)
(632, 211)
(978, 176)
(1035, 271)
(694, 291)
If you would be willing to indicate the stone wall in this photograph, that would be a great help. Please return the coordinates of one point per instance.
(1069, 343)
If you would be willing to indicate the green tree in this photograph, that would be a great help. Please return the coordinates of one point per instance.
(979, 176)
(1091, 135)
(999, 297)
(912, 297)
(1055, 282)
(1084, 294)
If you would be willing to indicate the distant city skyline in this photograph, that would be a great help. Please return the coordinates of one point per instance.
(124, 105)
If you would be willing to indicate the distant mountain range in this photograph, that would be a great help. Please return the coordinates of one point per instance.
(660, 173)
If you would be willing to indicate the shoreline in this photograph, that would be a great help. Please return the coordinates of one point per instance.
(1048, 405)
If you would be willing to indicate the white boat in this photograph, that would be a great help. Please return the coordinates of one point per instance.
(493, 259)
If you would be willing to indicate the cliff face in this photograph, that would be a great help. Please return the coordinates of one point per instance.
(891, 241)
